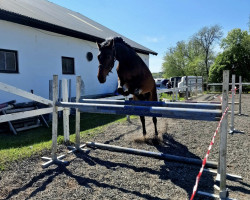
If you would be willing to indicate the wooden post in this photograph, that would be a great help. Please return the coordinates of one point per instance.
(240, 91)
(186, 87)
(65, 110)
(54, 158)
(232, 105)
(54, 117)
(223, 137)
(78, 96)
(77, 146)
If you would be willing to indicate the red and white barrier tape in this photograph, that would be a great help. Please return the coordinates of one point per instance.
(205, 159)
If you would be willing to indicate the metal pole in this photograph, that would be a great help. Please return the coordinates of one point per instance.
(232, 105)
(223, 137)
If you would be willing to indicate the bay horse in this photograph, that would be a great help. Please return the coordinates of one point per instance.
(134, 77)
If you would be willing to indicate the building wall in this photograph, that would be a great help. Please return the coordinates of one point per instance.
(40, 56)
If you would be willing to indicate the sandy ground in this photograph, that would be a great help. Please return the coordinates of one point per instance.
(109, 175)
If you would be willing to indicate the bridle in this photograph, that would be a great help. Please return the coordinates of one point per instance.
(109, 68)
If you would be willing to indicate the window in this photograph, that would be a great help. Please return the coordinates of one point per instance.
(8, 61)
(89, 56)
(68, 65)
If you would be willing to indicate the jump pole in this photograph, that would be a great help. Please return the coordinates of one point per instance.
(157, 155)
(178, 113)
(195, 105)
(54, 159)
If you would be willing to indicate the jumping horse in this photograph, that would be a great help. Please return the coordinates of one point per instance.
(134, 77)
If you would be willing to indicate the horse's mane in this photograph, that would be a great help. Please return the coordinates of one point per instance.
(116, 41)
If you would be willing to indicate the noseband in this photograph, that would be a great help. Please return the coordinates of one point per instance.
(114, 57)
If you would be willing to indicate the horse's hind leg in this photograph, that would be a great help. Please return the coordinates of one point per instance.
(143, 125)
(155, 124)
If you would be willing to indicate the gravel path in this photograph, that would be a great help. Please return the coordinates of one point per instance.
(108, 175)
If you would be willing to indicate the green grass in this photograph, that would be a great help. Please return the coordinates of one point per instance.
(25, 144)
(169, 97)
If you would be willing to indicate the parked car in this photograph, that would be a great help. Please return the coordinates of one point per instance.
(158, 82)
(177, 78)
(164, 82)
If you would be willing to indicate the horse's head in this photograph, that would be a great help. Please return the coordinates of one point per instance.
(106, 59)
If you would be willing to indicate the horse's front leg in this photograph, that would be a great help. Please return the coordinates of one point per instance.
(137, 91)
(123, 88)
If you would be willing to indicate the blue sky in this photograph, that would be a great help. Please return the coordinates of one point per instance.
(159, 24)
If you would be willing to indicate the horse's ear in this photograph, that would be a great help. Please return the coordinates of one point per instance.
(98, 45)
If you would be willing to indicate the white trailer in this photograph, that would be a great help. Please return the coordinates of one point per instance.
(194, 83)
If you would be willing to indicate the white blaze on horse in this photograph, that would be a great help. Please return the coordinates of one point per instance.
(134, 77)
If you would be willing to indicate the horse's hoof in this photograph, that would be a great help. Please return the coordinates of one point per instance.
(126, 93)
(120, 90)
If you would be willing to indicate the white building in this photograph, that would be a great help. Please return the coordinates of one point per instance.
(39, 39)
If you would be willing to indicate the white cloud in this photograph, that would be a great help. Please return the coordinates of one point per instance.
(154, 39)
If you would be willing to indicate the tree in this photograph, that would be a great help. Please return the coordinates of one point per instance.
(175, 61)
(235, 57)
(185, 59)
(206, 38)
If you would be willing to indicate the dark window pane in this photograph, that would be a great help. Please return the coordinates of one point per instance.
(2, 60)
(10, 61)
(68, 65)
